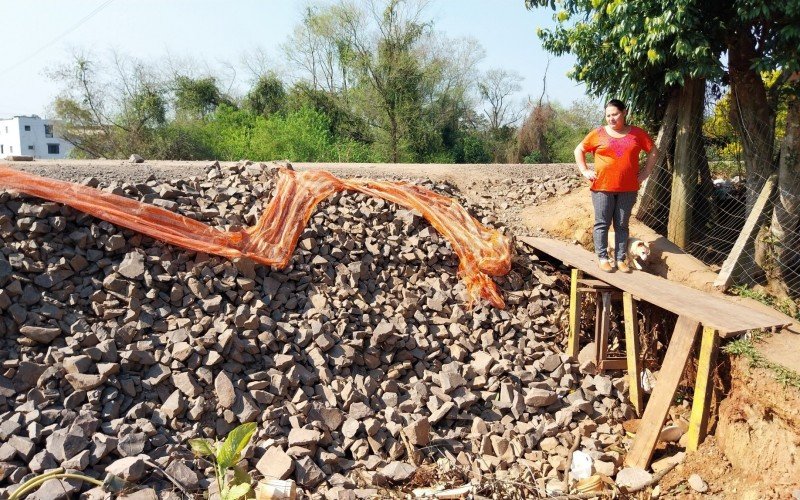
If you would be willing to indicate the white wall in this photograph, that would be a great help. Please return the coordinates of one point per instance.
(9, 137)
(32, 142)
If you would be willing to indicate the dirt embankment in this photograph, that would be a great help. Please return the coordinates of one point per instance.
(754, 452)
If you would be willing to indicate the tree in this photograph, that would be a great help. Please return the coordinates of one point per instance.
(318, 51)
(195, 98)
(785, 227)
(497, 88)
(267, 96)
(389, 74)
(643, 49)
(109, 118)
(80, 109)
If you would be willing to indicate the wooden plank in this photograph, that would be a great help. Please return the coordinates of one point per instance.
(573, 339)
(745, 235)
(698, 422)
(613, 364)
(594, 283)
(727, 317)
(657, 408)
(602, 326)
(632, 351)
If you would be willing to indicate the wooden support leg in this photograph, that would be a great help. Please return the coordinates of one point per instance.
(602, 326)
(698, 422)
(632, 350)
(573, 340)
(680, 346)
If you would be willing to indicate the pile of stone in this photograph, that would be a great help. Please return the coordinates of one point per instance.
(357, 361)
(508, 198)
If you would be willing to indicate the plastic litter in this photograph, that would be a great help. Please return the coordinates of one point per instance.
(581, 467)
(648, 381)
(481, 251)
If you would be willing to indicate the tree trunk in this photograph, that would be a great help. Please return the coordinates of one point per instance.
(394, 141)
(656, 191)
(684, 176)
(751, 114)
(785, 226)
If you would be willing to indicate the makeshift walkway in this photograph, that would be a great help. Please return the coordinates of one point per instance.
(717, 316)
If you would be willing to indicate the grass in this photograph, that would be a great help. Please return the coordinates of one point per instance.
(786, 306)
(746, 346)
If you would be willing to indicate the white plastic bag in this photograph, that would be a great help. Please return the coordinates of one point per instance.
(581, 467)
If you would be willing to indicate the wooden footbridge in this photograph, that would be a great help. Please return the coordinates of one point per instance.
(719, 318)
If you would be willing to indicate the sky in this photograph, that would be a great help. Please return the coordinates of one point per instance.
(40, 35)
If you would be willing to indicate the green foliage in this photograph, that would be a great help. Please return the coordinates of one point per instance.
(747, 347)
(637, 50)
(267, 96)
(196, 98)
(785, 305)
(344, 122)
(551, 131)
(474, 150)
(226, 455)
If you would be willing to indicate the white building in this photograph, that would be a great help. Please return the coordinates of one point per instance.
(31, 136)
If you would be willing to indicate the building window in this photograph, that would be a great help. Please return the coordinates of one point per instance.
(30, 147)
(27, 128)
(11, 149)
(53, 149)
(1, 149)
(48, 131)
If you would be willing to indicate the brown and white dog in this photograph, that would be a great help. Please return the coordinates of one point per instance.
(638, 252)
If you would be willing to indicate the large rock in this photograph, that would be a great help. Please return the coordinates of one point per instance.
(396, 472)
(223, 388)
(41, 334)
(633, 478)
(132, 266)
(418, 432)
(129, 468)
(275, 464)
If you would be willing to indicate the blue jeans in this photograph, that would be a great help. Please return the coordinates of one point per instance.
(612, 207)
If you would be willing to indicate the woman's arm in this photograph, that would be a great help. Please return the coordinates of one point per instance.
(650, 163)
(580, 159)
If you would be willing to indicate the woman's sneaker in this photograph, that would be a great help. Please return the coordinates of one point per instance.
(604, 265)
(623, 266)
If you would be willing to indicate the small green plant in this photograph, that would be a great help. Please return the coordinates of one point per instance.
(225, 456)
(783, 305)
(746, 346)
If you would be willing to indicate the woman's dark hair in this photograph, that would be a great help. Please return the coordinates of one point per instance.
(617, 104)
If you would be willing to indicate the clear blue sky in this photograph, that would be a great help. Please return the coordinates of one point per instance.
(41, 34)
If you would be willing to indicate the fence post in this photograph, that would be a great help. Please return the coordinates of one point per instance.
(746, 235)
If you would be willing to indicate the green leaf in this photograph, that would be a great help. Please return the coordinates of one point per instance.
(234, 443)
(201, 447)
(240, 475)
(237, 491)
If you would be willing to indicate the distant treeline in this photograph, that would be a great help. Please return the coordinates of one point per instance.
(373, 84)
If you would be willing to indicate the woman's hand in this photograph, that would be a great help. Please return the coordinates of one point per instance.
(589, 174)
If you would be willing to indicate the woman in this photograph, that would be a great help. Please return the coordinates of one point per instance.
(615, 179)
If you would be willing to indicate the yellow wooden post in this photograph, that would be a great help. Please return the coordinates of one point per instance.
(573, 340)
(655, 413)
(632, 350)
(702, 388)
(602, 328)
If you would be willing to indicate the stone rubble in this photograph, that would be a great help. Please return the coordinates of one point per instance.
(115, 349)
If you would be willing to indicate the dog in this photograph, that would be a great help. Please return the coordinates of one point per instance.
(638, 252)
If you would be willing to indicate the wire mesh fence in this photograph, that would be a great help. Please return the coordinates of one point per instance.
(718, 195)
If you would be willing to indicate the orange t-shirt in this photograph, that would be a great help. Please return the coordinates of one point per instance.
(616, 160)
